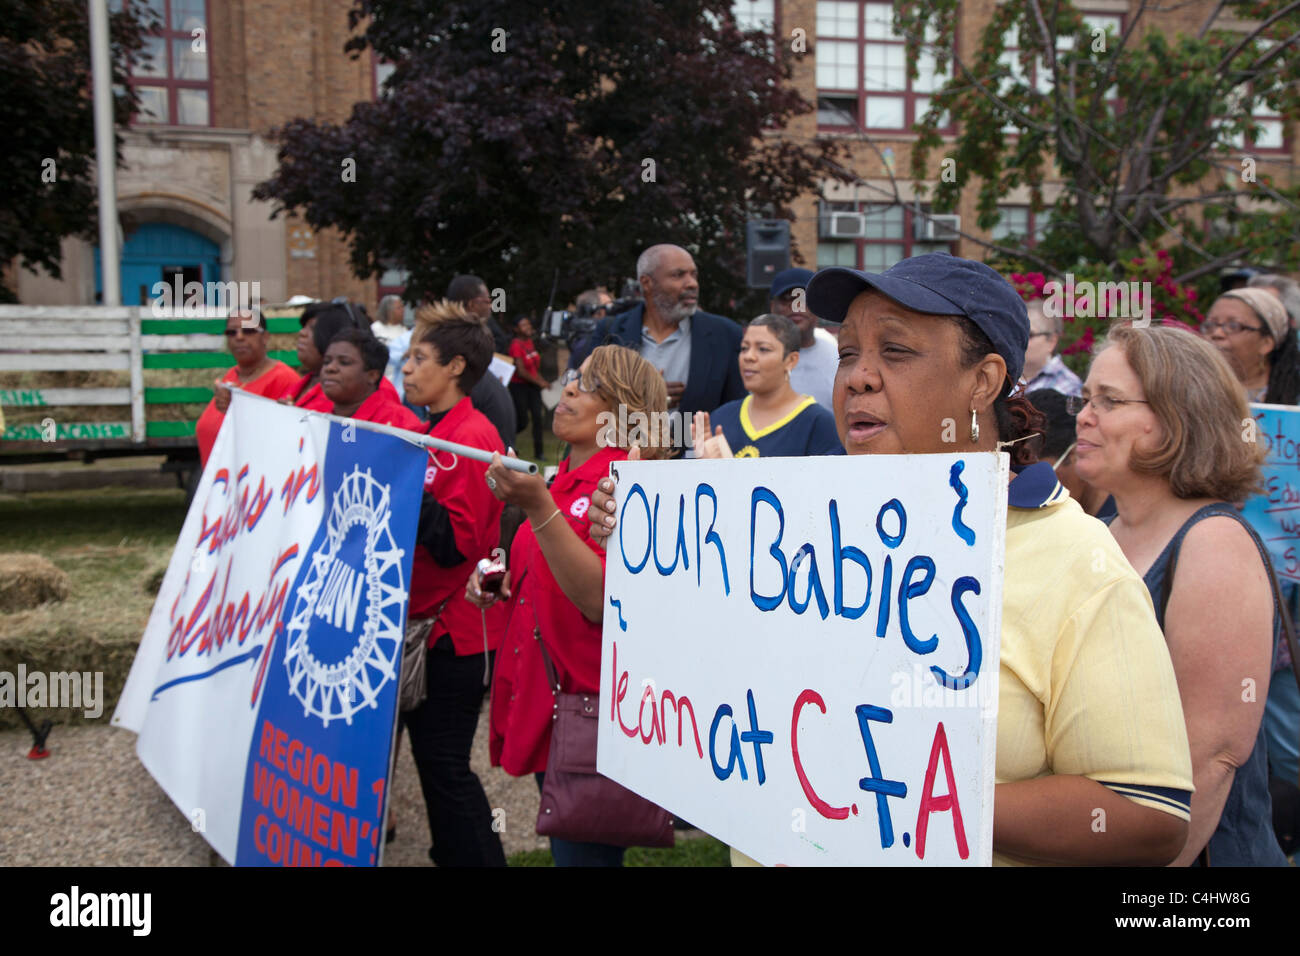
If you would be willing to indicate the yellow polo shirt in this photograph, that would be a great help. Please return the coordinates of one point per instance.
(1086, 687)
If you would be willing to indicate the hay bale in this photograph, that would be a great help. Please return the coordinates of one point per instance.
(29, 580)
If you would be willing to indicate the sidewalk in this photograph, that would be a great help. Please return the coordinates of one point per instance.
(91, 803)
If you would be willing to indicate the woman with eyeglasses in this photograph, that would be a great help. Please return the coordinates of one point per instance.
(254, 371)
(1160, 428)
(556, 578)
(1250, 328)
(1058, 450)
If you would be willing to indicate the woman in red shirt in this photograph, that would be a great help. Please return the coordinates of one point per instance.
(254, 371)
(527, 385)
(459, 524)
(559, 572)
(321, 321)
(352, 379)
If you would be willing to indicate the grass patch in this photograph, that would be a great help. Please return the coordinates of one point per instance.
(703, 850)
(109, 542)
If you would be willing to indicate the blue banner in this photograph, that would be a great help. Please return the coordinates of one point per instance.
(314, 790)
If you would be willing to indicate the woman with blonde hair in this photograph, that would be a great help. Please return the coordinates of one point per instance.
(556, 578)
(1163, 427)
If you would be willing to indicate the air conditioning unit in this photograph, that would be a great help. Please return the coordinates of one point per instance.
(937, 228)
(844, 225)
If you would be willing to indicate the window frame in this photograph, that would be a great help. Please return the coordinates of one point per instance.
(1031, 78)
(1032, 222)
(1246, 144)
(859, 95)
(169, 82)
(776, 19)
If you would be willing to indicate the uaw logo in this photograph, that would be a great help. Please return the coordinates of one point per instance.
(344, 637)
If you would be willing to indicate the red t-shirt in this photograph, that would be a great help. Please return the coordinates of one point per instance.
(524, 352)
(270, 384)
(522, 704)
(314, 399)
(460, 485)
(383, 408)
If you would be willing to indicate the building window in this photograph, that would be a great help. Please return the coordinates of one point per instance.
(1269, 134)
(392, 281)
(754, 14)
(1020, 222)
(889, 234)
(175, 87)
(1039, 75)
(862, 77)
(380, 70)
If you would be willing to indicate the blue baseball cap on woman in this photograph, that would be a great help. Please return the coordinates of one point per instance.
(936, 284)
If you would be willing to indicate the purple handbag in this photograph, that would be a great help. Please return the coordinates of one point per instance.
(577, 802)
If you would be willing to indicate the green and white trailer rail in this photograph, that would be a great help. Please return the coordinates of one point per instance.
(37, 342)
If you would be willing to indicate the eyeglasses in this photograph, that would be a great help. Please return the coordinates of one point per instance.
(1034, 335)
(1075, 404)
(575, 375)
(1231, 328)
(231, 333)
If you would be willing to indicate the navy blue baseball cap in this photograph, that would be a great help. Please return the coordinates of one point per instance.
(936, 284)
(788, 279)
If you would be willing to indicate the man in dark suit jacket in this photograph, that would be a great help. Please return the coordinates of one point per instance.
(698, 352)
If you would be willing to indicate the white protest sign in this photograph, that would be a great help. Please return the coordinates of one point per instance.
(800, 656)
(503, 367)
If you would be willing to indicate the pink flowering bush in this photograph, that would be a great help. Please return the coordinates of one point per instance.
(1092, 298)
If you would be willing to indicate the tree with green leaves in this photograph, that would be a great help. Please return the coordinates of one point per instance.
(1154, 135)
(47, 171)
(516, 143)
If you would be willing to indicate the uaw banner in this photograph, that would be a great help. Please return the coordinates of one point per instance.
(1275, 513)
(264, 691)
(801, 656)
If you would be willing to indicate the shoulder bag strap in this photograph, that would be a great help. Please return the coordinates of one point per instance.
(552, 676)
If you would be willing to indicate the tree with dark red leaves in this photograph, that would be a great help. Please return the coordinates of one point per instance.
(513, 140)
(47, 166)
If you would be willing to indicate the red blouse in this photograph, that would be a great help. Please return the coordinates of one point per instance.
(383, 408)
(314, 399)
(524, 352)
(520, 731)
(270, 384)
(460, 486)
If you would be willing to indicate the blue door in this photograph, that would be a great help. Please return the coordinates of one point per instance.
(158, 252)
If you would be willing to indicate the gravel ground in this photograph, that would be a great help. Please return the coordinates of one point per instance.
(91, 803)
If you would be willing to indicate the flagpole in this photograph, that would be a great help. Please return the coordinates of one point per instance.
(415, 438)
(105, 153)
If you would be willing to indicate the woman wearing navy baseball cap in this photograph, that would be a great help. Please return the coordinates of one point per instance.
(1089, 716)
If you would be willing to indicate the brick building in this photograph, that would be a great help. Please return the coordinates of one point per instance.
(855, 71)
(224, 73)
(227, 71)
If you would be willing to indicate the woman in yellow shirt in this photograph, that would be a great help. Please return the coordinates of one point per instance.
(1093, 765)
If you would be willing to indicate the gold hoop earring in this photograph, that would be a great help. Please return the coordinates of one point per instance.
(974, 427)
